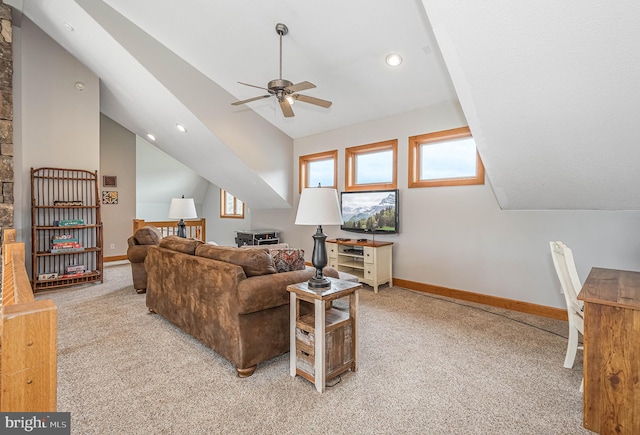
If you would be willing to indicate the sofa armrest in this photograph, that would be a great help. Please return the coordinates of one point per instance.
(137, 253)
(131, 241)
(268, 291)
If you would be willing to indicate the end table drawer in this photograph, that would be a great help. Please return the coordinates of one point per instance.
(305, 341)
(338, 351)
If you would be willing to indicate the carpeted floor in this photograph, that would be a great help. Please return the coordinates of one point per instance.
(427, 365)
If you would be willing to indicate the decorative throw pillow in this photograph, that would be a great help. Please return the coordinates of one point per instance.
(288, 259)
(273, 246)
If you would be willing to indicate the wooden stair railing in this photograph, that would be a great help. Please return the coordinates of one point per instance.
(28, 338)
(196, 228)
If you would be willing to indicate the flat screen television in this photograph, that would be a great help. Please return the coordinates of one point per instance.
(371, 211)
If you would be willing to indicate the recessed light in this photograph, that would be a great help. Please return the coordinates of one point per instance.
(181, 128)
(393, 59)
(79, 86)
(151, 137)
(68, 26)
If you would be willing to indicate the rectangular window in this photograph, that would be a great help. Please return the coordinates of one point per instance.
(444, 158)
(319, 169)
(230, 206)
(372, 166)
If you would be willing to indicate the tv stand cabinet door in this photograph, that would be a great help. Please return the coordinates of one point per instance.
(378, 266)
(332, 253)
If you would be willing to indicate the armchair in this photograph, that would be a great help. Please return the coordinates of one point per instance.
(137, 252)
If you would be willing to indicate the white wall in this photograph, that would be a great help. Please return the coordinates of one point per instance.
(56, 125)
(222, 231)
(118, 158)
(160, 177)
(457, 237)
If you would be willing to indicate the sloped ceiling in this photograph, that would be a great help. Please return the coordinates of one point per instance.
(549, 89)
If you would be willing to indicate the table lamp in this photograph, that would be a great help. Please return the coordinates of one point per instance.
(182, 208)
(319, 206)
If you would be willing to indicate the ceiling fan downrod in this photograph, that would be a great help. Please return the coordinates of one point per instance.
(281, 30)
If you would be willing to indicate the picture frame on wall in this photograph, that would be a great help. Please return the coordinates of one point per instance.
(109, 197)
(109, 181)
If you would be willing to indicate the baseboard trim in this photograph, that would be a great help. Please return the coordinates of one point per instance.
(494, 301)
(115, 258)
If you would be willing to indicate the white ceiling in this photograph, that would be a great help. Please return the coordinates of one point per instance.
(549, 88)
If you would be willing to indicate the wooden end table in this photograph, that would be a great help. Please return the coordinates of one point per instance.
(324, 343)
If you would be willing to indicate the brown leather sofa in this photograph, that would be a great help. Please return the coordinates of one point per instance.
(137, 252)
(231, 299)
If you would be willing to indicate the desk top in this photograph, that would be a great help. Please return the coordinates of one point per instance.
(618, 288)
(338, 289)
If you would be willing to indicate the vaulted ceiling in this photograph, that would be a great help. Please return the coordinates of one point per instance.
(549, 89)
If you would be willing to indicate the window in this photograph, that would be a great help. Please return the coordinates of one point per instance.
(230, 206)
(444, 158)
(320, 168)
(372, 166)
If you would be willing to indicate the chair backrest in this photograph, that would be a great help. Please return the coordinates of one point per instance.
(568, 275)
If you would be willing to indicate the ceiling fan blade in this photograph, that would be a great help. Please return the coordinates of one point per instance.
(302, 86)
(253, 86)
(287, 111)
(312, 100)
(237, 103)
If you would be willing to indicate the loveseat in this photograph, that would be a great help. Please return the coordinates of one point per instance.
(231, 299)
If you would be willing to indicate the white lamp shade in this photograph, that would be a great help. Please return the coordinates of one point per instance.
(182, 208)
(319, 206)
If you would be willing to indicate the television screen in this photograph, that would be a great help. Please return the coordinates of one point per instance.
(374, 211)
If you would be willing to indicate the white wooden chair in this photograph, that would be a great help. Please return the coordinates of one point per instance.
(570, 283)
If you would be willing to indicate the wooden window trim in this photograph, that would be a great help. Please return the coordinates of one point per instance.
(223, 208)
(303, 173)
(414, 159)
(350, 169)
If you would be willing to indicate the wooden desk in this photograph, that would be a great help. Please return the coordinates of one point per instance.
(324, 343)
(611, 351)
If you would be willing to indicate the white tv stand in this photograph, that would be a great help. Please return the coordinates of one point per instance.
(370, 261)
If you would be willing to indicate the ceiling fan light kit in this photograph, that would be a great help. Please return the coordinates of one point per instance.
(284, 90)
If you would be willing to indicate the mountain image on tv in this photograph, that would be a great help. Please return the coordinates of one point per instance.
(372, 211)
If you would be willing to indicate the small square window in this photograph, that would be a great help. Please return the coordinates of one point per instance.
(446, 158)
(230, 206)
(319, 169)
(371, 166)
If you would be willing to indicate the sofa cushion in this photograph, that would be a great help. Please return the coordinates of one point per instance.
(180, 244)
(254, 262)
(286, 260)
(148, 235)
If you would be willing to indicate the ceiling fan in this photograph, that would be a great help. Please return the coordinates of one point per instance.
(285, 91)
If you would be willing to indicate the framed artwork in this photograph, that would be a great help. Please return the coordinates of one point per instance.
(109, 197)
(109, 181)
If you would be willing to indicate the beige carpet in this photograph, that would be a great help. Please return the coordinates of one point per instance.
(427, 365)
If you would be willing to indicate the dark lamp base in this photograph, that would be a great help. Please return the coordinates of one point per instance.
(182, 229)
(319, 282)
